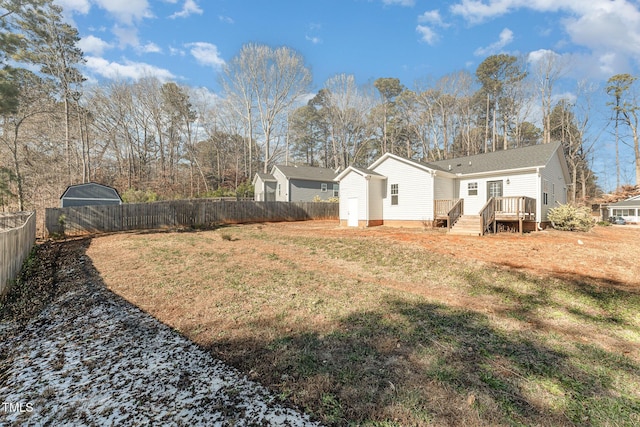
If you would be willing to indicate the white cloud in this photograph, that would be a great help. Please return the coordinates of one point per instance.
(399, 2)
(150, 48)
(537, 55)
(74, 6)
(126, 11)
(127, 70)
(93, 45)
(432, 17)
(427, 34)
(190, 7)
(506, 37)
(206, 54)
(226, 19)
(602, 26)
(313, 39)
(127, 36)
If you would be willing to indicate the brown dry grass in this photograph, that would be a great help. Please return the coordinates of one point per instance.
(404, 326)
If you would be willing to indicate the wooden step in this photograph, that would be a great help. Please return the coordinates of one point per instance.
(468, 225)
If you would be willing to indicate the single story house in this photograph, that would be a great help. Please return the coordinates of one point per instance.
(295, 184)
(629, 209)
(89, 194)
(472, 195)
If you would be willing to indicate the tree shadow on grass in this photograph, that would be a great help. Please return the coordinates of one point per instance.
(412, 363)
(409, 362)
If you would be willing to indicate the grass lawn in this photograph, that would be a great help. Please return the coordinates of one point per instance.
(365, 329)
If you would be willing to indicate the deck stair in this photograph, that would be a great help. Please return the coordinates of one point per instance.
(468, 225)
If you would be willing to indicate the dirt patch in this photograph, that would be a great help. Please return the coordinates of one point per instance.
(604, 254)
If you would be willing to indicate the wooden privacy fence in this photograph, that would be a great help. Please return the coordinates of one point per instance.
(74, 221)
(17, 236)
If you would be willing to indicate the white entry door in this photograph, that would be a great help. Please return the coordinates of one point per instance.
(352, 212)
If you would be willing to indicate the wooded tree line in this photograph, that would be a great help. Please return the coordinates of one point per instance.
(150, 138)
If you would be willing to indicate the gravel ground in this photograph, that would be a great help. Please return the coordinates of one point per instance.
(92, 358)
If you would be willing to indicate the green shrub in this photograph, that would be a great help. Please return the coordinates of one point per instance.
(139, 196)
(571, 218)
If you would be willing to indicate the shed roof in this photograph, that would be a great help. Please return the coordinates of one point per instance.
(517, 158)
(91, 190)
(265, 176)
(308, 173)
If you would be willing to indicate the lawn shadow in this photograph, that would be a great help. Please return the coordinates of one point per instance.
(414, 363)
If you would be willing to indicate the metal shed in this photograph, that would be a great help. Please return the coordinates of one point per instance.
(89, 194)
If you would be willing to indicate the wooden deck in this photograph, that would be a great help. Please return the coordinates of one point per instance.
(513, 210)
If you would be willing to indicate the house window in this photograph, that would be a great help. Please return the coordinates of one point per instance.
(394, 194)
(624, 212)
(323, 187)
(336, 191)
(472, 189)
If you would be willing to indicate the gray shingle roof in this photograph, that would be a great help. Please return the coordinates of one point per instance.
(265, 176)
(91, 190)
(309, 173)
(515, 158)
(625, 203)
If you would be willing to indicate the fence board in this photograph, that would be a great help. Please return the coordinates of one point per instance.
(74, 221)
(17, 236)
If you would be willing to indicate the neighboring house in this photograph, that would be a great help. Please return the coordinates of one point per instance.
(629, 209)
(507, 188)
(295, 184)
(264, 187)
(89, 194)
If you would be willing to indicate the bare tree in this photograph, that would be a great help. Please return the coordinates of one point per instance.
(547, 68)
(266, 82)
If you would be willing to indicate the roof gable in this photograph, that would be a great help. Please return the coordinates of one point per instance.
(360, 171)
(427, 167)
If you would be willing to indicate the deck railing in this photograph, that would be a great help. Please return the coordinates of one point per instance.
(519, 207)
(442, 207)
(488, 215)
(455, 212)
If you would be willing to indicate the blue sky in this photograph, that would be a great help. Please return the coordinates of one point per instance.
(188, 41)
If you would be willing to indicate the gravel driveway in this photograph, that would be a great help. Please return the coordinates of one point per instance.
(92, 358)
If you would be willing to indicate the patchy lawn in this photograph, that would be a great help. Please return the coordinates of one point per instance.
(404, 327)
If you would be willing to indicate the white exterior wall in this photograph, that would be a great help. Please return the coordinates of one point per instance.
(258, 190)
(415, 191)
(444, 188)
(377, 188)
(629, 218)
(282, 186)
(520, 184)
(557, 187)
(352, 185)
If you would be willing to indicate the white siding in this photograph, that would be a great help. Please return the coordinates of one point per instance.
(352, 185)
(415, 191)
(444, 188)
(376, 193)
(282, 186)
(557, 186)
(524, 184)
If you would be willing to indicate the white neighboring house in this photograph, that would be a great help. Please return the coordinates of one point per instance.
(507, 188)
(628, 209)
(295, 184)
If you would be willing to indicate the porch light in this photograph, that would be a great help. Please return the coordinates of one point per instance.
(508, 182)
